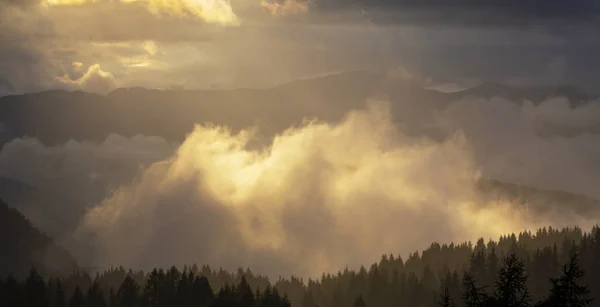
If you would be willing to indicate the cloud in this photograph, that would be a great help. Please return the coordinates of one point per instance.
(20, 3)
(37, 57)
(265, 50)
(211, 11)
(285, 7)
(556, 15)
(25, 65)
(474, 12)
(554, 73)
(84, 171)
(516, 143)
(320, 196)
(41, 43)
(93, 80)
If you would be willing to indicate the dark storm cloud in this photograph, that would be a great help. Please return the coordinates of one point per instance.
(471, 12)
(432, 39)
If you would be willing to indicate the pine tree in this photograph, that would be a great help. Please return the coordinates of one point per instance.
(77, 299)
(60, 299)
(566, 290)
(202, 293)
(477, 267)
(128, 293)
(473, 296)
(13, 293)
(94, 296)
(308, 300)
(246, 296)
(511, 289)
(285, 301)
(446, 300)
(35, 290)
(112, 298)
(359, 302)
(152, 288)
(184, 293)
(491, 267)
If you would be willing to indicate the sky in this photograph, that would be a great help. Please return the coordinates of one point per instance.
(98, 45)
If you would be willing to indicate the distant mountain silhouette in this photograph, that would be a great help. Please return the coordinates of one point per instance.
(539, 200)
(24, 247)
(57, 116)
(574, 95)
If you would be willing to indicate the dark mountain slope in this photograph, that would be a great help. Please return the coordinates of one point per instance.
(539, 200)
(24, 247)
(53, 214)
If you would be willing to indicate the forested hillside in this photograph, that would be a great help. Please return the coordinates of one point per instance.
(24, 247)
(537, 200)
(51, 213)
(551, 267)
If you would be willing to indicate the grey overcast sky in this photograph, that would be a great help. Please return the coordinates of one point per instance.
(100, 45)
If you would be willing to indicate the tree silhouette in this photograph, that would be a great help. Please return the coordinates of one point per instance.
(424, 279)
(473, 296)
(202, 292)
(77, 299)
(566, 290)
(112, 298)
(359, 302)
(128, 294)
(245, 294)
(35, 290)
(511, 289)
(445, 299)
(151, 293)
(60, 298)
(309, 300)
(95, 296)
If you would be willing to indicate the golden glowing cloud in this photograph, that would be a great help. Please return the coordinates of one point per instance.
(67, 2)
(321, 195)
(285, 7)
(93, 80)
(129, 53)
(211, 11)
(77, 65)
(150, 47)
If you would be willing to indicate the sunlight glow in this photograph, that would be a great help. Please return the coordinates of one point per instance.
(285, 7)
(359, 172)
(211, 11)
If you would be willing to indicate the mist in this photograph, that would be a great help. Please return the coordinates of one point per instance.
(516, 143)
(85, 171)
(318, 196)
(378, 150)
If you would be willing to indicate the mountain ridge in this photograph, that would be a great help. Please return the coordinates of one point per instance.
(54, 117)
(486, 88)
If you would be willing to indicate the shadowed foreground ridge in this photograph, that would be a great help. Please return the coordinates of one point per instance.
(23, 247)
(549, 268)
